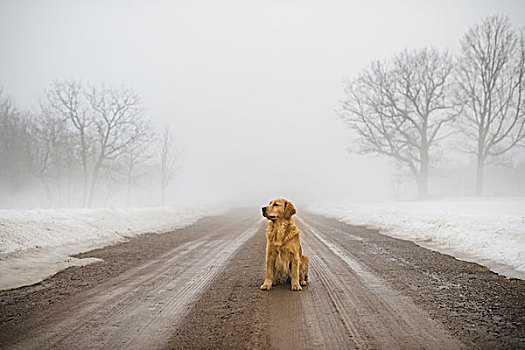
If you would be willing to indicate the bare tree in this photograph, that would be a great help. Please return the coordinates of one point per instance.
(120, 125)
(398, 109)
(67, 100)
(491, 87)
(107, 122)
(92, 137)
(16, 158)
(133, 159)
(54, 153)
(168, 161)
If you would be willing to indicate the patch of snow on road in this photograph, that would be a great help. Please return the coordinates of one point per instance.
(35, 244)
(488, 231)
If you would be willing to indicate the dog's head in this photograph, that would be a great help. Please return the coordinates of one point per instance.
(278, 209)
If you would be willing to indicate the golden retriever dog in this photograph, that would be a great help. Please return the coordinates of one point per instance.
(284, 255)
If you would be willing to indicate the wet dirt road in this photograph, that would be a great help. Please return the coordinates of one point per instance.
(197, 288)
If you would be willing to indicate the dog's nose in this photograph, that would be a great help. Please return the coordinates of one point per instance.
(264, 210)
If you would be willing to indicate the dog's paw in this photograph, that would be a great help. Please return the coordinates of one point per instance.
(266, 286)
(304, 283)
(296, 287)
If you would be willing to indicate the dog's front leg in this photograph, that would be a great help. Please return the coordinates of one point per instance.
(295, 272)
(270, 266)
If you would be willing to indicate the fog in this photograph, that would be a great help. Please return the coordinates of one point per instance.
(249, 89)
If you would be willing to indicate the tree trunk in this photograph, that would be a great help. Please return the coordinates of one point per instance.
(128, 195)
(422, 177)
(49, 193)
(422, 185)
(480, 175)
(92, 189)
(94, 181)
(84, 168)
(518, 182)
(130, 179)
(163, 181)
(58, 182)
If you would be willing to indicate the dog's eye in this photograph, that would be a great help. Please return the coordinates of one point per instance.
(275, 204)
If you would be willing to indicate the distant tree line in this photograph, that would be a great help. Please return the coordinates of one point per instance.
(405, 107)
(85, 146)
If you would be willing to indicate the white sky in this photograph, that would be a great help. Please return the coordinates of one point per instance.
(249, 87)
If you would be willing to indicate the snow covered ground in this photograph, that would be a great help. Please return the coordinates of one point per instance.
(35, 244)
(488, 231)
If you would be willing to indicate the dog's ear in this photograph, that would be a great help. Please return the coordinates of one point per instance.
(289, 210)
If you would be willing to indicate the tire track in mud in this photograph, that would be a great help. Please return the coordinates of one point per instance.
(473, 304)
(363, 310)
(232, 313)
(139, 308)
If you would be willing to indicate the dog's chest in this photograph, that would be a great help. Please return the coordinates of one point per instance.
(283, 252)
(279, 238)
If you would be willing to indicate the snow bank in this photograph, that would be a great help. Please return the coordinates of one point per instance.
(490, 232)
(35, 244)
